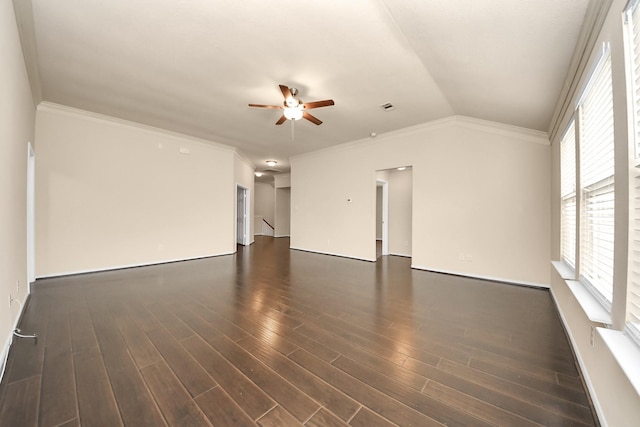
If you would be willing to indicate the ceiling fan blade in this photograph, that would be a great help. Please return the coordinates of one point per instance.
(311, 118)
(286, 92)
(264, 106)
(318, 104)
(281, 120)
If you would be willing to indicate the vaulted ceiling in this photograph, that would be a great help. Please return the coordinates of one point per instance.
(192, 66)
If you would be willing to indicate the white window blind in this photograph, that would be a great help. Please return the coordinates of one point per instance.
(633, 23)
(633, 285)
(597, 183)
(568, 195)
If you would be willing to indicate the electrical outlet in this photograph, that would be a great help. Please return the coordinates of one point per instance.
(592, 336)
(18, 285)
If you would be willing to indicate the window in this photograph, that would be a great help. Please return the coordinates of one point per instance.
(633, 57)
(597, 183)
(568, 195)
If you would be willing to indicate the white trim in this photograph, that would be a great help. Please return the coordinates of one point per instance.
(481, 277)
(126, 266)
(628, 9)
(385, 214)
(313, 251)
(592, 308)
(50, 107)
(523, 134)
(7, 345)
(23, 11)
(626, 352)
(245, 160)
(590, 305)
(246, 214)
(564, 270)
(515, 132)
(596, 65)
(31, 213)
(592, 24)
(583, 369)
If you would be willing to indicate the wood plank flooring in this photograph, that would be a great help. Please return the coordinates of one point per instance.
(274, 337)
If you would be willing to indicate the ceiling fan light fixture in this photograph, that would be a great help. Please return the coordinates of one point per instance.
(294, 109)
(294, 113)
(291, 102)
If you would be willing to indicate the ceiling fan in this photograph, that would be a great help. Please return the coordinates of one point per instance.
(294, 108)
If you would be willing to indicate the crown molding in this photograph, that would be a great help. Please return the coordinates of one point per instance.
(244, 159)
(480, 125)
(51, 107)
(23, 11)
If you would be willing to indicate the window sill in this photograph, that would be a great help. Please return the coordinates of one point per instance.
(589, 304)
(566, 272)
(626, 352)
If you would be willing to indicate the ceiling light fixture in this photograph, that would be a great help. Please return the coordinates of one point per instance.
(259, 174)
(292, 102)
(293, 113)
(271, 163)
(293, 106)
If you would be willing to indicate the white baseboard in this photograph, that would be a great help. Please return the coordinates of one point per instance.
(123, 267)
(402, 255)
(7, 345)
(333, 254)
(584, 373)
(481, 277)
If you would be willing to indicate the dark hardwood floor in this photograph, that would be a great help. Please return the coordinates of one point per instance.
(274, 337)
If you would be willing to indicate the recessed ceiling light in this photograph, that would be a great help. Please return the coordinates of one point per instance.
(271, 163)
(402, 168)
(259, 174)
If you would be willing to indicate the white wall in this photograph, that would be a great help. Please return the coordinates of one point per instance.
(282, 180)
(17, 115)
(616, 400)
(111, 194)
(265, 203)
(480, 189)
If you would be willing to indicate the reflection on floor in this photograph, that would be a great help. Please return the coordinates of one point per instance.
(272, 336)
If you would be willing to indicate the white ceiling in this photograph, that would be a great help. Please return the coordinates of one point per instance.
(192, 66)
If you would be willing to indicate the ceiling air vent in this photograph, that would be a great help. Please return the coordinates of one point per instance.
(272, 171)
(387, 107)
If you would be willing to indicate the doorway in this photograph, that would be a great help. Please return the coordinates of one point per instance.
(243, 225)
(382, 217)
(394, 206)
(283, 212)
